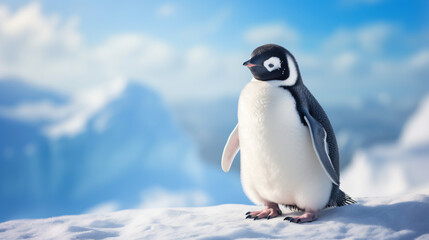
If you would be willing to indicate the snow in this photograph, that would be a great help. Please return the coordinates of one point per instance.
(395, 168)
(84, 106)
(68, 119)
(416, 131)
(157, 197)
(389, 182)
(129, 153)
(386, 170)
(372, 218)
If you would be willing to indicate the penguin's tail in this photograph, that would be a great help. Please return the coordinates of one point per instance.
(343, 199)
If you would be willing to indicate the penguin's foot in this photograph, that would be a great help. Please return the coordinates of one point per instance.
(271, 210)
(308, 216)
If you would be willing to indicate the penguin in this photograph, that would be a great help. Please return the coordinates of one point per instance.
(288, 150)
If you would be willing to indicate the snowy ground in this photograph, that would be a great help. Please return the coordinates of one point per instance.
(406, 217)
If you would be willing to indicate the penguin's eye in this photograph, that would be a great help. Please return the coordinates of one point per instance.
(272, 64)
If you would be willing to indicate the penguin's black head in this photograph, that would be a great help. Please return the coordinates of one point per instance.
(270, 62)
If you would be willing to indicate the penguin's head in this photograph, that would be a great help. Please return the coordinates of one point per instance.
(273, 62)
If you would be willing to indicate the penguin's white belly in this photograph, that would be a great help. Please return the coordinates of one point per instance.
(278, 162)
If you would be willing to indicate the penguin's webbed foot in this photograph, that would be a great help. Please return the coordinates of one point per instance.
(271, 210)
(308, 216)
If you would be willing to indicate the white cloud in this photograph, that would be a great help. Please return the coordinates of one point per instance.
(369, 38)
(51, 52)
(104, 208)
(420, 60)
(134, 56)
(410, 69)
(166, 10)
(373, 37)
(162, 198)
(351, 59)
(28, 25)
(344, 62)
(272, 33)
(208, 26)
(40, 48)
(357, 63)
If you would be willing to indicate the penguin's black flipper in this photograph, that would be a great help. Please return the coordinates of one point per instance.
(318, 137)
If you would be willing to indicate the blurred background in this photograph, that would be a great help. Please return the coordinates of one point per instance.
(109, 105)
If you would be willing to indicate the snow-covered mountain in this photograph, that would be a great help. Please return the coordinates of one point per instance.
(114, 148)
(395, 168)
(13, 91)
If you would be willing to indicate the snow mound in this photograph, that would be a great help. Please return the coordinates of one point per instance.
(372, 218)
(416, 131)
(386, 171)
(392, 169)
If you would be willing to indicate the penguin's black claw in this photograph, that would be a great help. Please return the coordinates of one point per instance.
(248, 216)
(248, 213)
(279, 212)
(294, 220)
(256, 218)
(268, 217)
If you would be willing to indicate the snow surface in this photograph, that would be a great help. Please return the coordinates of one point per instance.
(373, 218)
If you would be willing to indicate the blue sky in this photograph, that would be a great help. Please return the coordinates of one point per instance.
(100, 19)
(194, 49)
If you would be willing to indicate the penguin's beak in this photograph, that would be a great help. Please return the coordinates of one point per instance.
(249, 64)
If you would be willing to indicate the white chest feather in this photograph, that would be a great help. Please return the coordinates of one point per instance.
(278, 162)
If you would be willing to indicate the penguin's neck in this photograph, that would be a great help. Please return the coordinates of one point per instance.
(257, 94)
(270, 83)
(276, 83)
